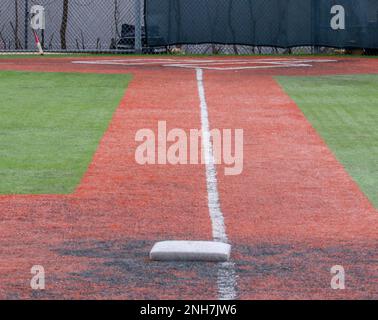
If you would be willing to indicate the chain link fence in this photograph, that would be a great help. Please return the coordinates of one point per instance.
(100, 26)
(71, 25)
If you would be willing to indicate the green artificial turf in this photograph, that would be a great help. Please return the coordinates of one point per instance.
(50, 127)
(344, 111)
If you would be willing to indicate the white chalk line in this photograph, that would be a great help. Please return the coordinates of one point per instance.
(119, 63)
(244, 68)
(272, 63)
(233, 64)
(133, 62)
(226, 280)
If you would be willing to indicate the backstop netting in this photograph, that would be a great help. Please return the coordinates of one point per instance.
(191, 26)
(277, 23)
(71, 25)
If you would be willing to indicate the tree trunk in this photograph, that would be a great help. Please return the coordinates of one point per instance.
(63, 27)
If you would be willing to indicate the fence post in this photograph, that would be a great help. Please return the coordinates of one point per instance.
(26, 24)
(315, 25)
(138, 26)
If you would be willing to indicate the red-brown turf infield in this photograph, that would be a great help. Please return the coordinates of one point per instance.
(292, 214)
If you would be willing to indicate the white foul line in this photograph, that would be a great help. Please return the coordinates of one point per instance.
(206, 64)
(226, 271)
(189, 66)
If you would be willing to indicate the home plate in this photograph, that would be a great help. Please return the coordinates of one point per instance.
(190, 251)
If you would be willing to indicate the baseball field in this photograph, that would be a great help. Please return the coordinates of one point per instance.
(75, 200)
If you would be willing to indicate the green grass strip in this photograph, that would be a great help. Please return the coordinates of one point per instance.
(50, 127)
(344, 111)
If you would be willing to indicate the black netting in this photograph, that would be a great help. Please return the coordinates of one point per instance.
(276, 23)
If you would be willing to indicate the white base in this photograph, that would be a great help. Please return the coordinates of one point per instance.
(191, 251)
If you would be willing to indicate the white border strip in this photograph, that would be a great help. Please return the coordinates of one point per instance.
(206, 64)
(188, 66)
(219, 229)
(226, 272)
